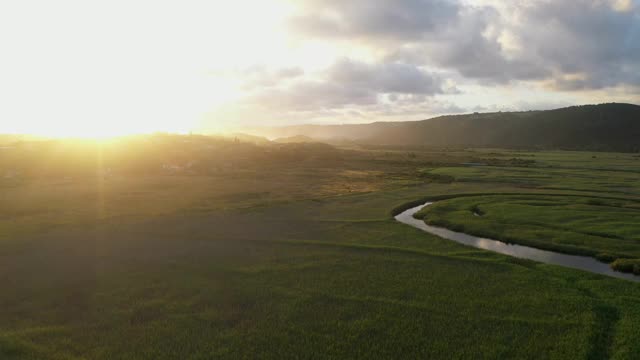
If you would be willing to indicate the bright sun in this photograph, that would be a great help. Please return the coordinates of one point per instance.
(100, 69)
(102, 131)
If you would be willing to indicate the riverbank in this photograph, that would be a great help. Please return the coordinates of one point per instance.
(519, 251)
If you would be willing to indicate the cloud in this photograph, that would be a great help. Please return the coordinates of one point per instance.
(348, 82)
(589, 44)
(385, 20)
(258, 76)
(573, 45)
(473, 47)
(385, 77)
(308, 95)
(346, 91)
(414, 107)
(412, 59)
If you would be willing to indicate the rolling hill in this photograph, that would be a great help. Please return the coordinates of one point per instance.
(604, 127)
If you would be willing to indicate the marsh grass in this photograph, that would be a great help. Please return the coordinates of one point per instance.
(604, 228)
(627, 265)
(303, 262)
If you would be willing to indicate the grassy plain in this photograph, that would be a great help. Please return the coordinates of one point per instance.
(300, 262)
(582, 225)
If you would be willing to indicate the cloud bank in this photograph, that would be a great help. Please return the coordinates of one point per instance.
(427, 57)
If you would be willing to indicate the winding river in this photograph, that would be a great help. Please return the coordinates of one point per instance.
(525, 252)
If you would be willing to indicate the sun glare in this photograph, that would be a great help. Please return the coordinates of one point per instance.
(125, 67)
(105, 131)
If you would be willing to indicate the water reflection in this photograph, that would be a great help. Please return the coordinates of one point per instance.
(549, 257)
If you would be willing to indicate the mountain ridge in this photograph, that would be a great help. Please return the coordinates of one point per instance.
(602, 127)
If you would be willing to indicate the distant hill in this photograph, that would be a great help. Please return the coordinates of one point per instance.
(258, 140)
(604, 127)
(295, 139)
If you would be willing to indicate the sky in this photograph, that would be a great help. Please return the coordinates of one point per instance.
(101, 68)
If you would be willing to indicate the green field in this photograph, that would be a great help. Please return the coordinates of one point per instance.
(306, 261)
(582, 225)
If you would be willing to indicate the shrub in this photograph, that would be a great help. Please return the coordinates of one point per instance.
(436, 178)
(606, 257)
(627, 265)
(476, 210)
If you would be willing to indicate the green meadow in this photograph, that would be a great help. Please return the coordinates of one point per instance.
(605, 228)
(276, 261)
